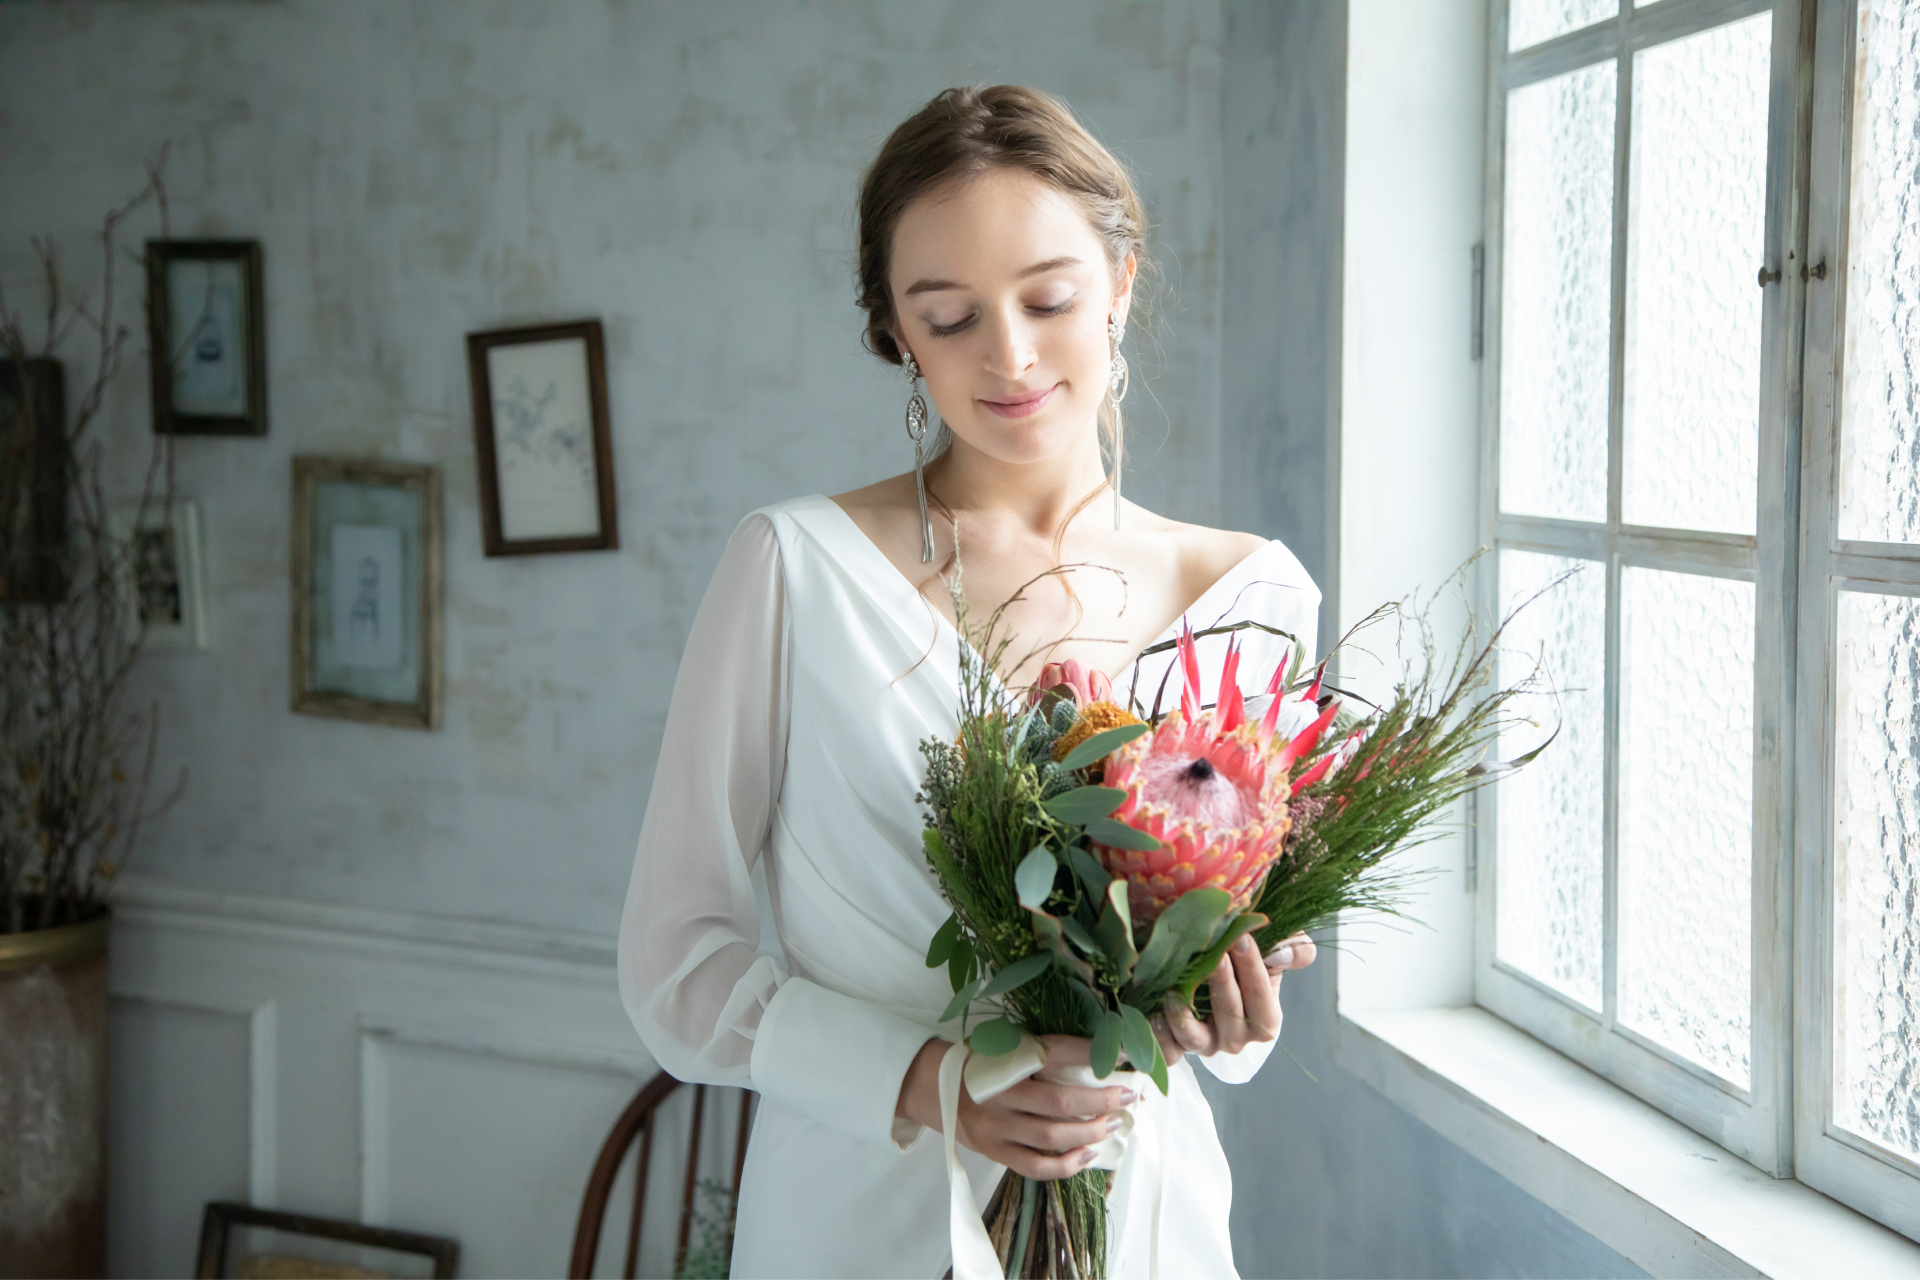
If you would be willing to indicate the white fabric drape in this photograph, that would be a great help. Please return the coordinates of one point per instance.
(812, 672)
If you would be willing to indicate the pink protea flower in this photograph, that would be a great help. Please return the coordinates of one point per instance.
(1089, 686)
(1212, 787)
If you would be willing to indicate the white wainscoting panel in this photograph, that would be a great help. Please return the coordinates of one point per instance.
(454, 1077)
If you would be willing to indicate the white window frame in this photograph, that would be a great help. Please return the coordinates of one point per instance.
(1756, 1122)
(1879, 1183)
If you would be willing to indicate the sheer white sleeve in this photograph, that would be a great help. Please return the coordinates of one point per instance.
(691, 975)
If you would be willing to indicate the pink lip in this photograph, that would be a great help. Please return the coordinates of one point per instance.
(1023, 406)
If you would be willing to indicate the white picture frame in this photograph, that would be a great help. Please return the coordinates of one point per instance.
(163, 574)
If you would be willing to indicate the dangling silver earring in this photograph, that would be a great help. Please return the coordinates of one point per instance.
(1117, 388)
(917, 432)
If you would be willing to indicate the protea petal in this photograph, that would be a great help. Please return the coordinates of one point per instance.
(1232, 710)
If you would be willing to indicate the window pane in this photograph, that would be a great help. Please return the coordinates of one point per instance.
(1531, 21)
(1696, 234)
(1556, 299)
(1880, 437)
(1686, 815)
(1550, 899)
(1877, 871)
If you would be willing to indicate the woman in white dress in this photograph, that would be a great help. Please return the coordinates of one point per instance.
(999, 247)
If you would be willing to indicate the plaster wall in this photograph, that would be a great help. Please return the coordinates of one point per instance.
(416, 171)
(1341, 120)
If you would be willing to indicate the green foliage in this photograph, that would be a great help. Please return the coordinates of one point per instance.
(709, 1253)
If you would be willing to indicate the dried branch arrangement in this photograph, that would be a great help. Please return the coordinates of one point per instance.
(76, 760)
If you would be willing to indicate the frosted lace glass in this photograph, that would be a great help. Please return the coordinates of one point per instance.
(1531, 21)
(1686, 816)
(1696, 234)
(1877, 870)
(1550, 899)
(1555, 309)
(1880, 436)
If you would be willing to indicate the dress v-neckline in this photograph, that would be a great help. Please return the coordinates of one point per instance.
(867, 547)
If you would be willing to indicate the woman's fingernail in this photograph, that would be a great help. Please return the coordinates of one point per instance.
(1128, 1097)
(1113, 1122)
(1282, 956)
(1244, 944)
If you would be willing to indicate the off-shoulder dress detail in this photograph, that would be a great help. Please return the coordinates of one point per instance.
(813, 671)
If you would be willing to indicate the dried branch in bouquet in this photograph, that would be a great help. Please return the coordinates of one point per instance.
(1386, 784)
(75, 761)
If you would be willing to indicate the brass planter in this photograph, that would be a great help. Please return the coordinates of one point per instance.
(53, 1101)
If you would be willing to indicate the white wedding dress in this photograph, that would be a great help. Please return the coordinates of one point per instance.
(813, 671)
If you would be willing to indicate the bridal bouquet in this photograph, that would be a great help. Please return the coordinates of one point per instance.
(1100, 858)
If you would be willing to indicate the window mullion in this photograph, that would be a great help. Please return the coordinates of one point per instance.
(1616, 435)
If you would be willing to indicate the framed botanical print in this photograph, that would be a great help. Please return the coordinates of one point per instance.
(164, 573)
(239, 1240)
(367, 604)
(207, 335)
(542, 438)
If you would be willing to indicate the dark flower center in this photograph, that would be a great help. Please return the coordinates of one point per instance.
(1200, 770)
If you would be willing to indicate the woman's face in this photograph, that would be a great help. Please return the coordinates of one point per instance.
(1002, 292)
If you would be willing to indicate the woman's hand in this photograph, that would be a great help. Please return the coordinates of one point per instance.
(1246, 1001)
(1038, 1130)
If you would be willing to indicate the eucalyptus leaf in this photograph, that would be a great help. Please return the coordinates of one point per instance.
(961, 999)
(1084, 803)
(942, 945)
(1088, 868)
(1047, 930)
(1181, 930)
(1136, 1036)
(994, 1037)
(1115, 931)
(1017, 975)
(1118, 835)
(960, 966)
(1077, 934)
(1033, 881)
(1201, 967)
(1105, 1054)
(1102, 745)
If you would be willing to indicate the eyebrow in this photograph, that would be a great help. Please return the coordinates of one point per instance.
(1038, 268)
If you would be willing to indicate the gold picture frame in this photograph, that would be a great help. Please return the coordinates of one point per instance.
(367, 591)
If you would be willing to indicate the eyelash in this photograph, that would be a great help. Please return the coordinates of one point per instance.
(947, 331)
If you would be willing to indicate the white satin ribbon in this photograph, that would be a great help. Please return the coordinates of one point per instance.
(973, 1254)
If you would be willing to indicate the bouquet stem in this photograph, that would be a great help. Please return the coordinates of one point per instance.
(1052, 1230)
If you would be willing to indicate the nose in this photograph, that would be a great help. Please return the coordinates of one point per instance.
(1010, 347)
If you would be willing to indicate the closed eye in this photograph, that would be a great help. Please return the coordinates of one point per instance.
(948, 330)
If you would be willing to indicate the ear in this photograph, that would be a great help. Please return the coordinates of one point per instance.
(1123, 290)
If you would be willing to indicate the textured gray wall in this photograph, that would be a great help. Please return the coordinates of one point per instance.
(686, 171)
(419, 170)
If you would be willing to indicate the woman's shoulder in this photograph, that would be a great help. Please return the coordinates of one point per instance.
(1206, 555)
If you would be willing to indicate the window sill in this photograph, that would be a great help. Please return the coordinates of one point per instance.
(1662, 1196)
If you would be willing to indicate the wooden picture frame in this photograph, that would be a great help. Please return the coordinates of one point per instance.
(543, 439)
(164, 574)
(366, 582)
(33, 482)
(207, 337)
(220, 1221)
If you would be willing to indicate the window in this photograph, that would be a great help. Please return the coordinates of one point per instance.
(1702, 444)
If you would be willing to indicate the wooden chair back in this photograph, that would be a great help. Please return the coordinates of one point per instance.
(635, 1127)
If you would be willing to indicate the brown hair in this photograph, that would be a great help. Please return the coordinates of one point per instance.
(961, 133)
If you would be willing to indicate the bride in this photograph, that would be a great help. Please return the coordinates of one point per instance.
(1000, 245)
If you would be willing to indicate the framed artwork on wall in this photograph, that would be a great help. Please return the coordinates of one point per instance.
(164, 574)
(239, 1240)
(367, 591)
(543, 440)
(207, 337)
(33, 482)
